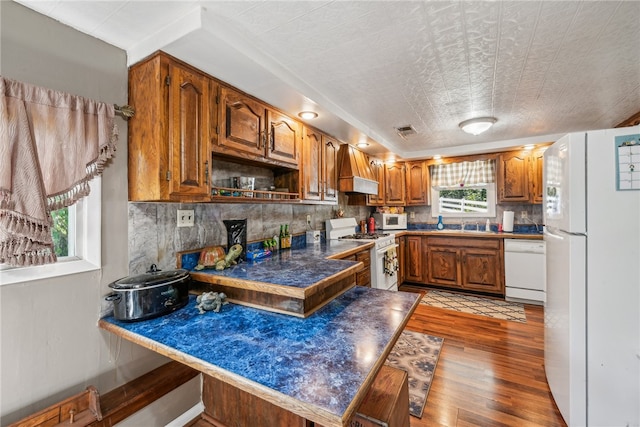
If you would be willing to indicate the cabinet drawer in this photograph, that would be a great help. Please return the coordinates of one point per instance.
(465, 242)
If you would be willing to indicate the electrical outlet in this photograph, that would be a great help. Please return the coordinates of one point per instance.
(412, 215)
(523, 214)
(185, 218)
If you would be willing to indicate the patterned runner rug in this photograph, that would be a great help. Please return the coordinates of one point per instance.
(476, 305)
(417, 354)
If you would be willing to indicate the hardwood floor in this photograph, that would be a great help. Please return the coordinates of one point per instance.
(490, 371)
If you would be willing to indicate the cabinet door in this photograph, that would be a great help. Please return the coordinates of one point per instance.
(402, 255)
(312, 164)
(513, 177)
(414, 262)
(443, 266)
(378, 171)
(537, 161)
(241, 124)
(395, 190)
(283, 134)
(330, 169)
(482, 270)
(417, 183)
(188, 132)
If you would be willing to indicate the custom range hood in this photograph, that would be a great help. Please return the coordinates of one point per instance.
(354, 173)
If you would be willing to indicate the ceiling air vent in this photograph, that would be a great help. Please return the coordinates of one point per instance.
(405, 131)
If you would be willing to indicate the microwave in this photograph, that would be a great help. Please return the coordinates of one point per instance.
(389, 221)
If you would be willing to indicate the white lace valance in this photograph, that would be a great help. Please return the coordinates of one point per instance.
(463, 174)
(51, 145)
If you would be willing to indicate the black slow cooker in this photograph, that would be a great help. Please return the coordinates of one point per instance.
(149, 295)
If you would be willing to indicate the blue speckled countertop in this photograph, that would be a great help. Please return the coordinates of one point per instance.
(301, 267)
(315, 367)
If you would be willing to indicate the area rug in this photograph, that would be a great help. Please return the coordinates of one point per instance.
(417, 354)
(476, 305)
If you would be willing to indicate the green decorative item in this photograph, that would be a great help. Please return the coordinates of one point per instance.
(230, 259)
(211, 301)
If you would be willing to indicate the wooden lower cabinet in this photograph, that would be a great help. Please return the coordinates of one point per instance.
(385, 404)
(402, 255)
(363, 277)
(414, 263)
(466, 263)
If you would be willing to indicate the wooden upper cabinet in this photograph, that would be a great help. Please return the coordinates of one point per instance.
(519, 176)
(282, 138)
(241, 121)
(312, 164)
(537, 186)
(319, 158)
(188, 130)
(418, 187)
(250, 130)
(330, 168)
(513, 177)
(377, 199)
(169, 157)
(395, 185)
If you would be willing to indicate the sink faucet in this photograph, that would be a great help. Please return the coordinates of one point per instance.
(477, 226)
(462, 225)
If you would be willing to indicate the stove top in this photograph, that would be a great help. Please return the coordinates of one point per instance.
(364, 236)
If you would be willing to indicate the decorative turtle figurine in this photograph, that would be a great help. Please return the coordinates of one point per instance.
(230, 258)
(211, 301)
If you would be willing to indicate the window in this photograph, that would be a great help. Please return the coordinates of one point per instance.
(464, 189)
(84, 242)
(478, 201)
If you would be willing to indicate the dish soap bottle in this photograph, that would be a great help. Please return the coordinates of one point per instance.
(487, 227)
(440, 225)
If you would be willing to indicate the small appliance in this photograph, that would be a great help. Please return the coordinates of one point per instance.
(389, 221)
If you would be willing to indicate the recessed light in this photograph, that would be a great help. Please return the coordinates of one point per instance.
(307, 115)
(529, 147)
(362, 144)
(478, 125)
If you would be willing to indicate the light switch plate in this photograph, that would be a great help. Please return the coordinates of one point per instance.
(185, 218)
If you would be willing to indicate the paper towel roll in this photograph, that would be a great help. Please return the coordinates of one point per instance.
(507, 221)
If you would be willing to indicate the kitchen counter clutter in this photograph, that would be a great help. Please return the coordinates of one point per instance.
(318, 368)
(293, 281)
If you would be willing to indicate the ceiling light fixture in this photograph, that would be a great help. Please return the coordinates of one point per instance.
(362, 144)
(478, 125)
(529, 147)
(307, 115)
(437, 157)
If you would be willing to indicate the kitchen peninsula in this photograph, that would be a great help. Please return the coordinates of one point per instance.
(316, 369)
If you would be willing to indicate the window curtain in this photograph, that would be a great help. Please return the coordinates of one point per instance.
(51, 145)
(463, 174)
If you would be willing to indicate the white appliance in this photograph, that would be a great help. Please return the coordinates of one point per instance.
(389, 221)
(592, 312)
(344, 229)
(524, 270)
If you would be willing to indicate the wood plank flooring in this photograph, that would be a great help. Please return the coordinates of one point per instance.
(490, 371)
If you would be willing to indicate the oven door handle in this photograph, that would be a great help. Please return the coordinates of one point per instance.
(386, 248)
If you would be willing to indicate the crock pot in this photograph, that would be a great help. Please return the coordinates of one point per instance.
(149, 295)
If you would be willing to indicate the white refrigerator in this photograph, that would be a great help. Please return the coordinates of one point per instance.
(592, 313)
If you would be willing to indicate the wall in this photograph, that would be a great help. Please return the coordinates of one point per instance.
(50, 345)
(155, 238)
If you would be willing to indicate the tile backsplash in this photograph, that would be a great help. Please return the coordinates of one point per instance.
(155, 239)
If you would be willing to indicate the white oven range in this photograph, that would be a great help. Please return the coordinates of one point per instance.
(344, 229)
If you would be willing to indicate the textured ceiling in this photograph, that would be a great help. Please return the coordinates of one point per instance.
(541, 68)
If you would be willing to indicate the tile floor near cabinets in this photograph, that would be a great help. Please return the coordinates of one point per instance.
(490, 372)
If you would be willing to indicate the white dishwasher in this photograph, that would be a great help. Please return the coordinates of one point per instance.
(525, 271)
